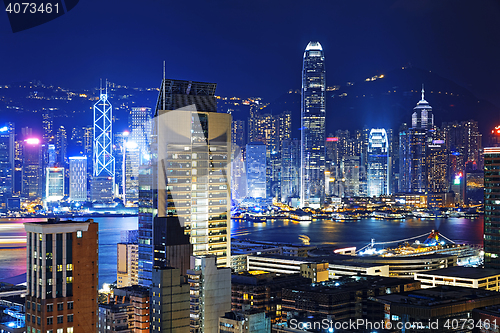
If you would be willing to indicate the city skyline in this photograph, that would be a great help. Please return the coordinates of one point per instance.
(395, 39)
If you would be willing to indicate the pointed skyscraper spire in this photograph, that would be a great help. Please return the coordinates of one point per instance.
(423, 92)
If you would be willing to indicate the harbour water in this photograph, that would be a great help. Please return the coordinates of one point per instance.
(321, 232)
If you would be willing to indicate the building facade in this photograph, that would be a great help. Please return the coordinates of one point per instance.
(210, 294)
(78, 178)
(256, 170)
(378, 163)
(313, 111)
(54, 184)
(61, 283)
(188, 177)
(491, 207)
(104, 162)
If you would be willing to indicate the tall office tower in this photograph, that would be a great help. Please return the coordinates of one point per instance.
(130, 173)
(290, 170)
(48, 127)
(126, 264)
(88, 149)
(18, 167)
(238, 134)
(104, 162)
(238, 172)
(350, 186)
(422, 116)
(7, 140)
(62, 146)
(284, 123)
(26, 132)
(51, 155)
(394, 155)
(119, 148)
(413, 149)
(188, 179)
(54, 184)
(210, 294)
(253, 129)
(32, 169)
(61, 283)
(437, 162)
(77, 138)
(78, 178)
(170, 301)
(378, 163)
(473, 145)
(140, 126)
(256, 170)
(491, 218)
(313, 126)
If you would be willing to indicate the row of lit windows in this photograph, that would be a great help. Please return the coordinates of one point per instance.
(59, 330)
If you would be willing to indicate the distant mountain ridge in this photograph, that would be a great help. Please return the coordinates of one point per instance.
(389, 101)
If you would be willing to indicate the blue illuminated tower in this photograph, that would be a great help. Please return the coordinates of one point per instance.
(312, 175)
(104, 162)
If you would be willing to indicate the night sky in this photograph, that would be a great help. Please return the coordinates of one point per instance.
(254, 48)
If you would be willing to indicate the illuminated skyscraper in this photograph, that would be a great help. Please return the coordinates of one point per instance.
(238, 173)
(62, 146)
(491, 207)
(188, 179)
(378, 163)
(256, 170)
(6, 163)
(140, 126)
(413, 149)
(422, 116)
(54, 184)
(313, 126)
(290, 170)
(78, 178)
(104, 162)
(32, 169)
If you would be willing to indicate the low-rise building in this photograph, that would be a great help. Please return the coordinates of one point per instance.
(262, 291)
(438, 309)
(252, 321)
(115, 318)
(470, 277)
(341, 299)
(138, 296)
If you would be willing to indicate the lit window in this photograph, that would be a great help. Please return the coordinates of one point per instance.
(79, 234)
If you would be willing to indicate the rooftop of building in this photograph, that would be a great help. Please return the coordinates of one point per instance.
(114, 306)
(464, 272)
(57, 220)
(355, 261)
(135, 290)
(347, 284)
(265, 278)
(440, 296)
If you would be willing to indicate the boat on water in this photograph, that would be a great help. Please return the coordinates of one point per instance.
(345, 217)
(388, 215)
(300, 216)
(435, 243)
(305, 239)
(257, 218)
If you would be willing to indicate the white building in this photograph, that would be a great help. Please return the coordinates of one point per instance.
(78, 178)
(54, 184)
